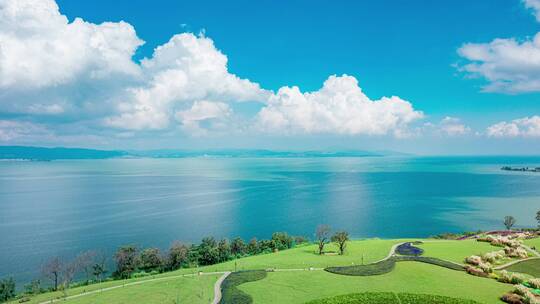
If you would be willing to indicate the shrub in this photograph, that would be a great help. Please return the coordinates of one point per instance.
(231, 294)
(486, 267)
(534, 283)
(492, 257)
(510, 278)
(473, 260)
(409, 249)
(381, 267)
(512, 298)
(430, 260)
(390, 298)
(476, 271)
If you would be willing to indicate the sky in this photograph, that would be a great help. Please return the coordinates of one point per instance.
(418, 76)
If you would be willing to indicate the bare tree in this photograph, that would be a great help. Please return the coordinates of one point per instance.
(52, 270)
(85, 261)
(99, 267)
(341, 238)
(69, 271)
(509, 222)
(322, 234)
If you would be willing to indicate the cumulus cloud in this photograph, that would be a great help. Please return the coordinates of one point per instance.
(453, 126)
(12, 130)
(523, 127)
(534, 5)
(509, 65)
(186, 69)
(339, 107)
(39, 47)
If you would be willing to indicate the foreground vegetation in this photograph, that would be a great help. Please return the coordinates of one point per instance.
(390, 298)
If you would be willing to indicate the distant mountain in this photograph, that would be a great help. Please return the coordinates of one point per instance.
(44, 154)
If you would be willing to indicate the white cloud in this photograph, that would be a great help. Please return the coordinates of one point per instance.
(509, 65)
(523, 127)
(214, 114)
(452, 126)
(339, 107)
(534, 5)
(186, 69)
(13, 130)
(40, 48)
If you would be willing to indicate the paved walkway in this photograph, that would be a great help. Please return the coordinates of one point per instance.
(217, 287)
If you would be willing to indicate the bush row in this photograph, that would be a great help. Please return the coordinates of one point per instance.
(390, 298)
(230, 294)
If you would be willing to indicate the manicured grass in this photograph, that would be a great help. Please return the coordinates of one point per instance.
(231, 294)
(411, 277)
(194, 289)
(306, 256)
(391, 298)
(533, 243)
(530, 267)
(197, 289)
(455, 251)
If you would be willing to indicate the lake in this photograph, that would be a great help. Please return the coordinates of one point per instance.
(64, 207)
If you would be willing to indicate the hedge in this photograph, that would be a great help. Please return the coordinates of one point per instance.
(232, 295)
(391, 298)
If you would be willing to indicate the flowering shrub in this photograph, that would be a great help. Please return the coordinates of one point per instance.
(475, 271)
(516, 252)
(493, 256)
(486, 267)
(473, 260)
(512, 298)
(534, 283)
(511, 278)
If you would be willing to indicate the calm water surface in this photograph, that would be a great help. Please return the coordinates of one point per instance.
(64, 207)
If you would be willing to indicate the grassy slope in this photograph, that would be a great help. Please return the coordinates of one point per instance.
(305, 256)
(531, 267)
(456, 251)
(198, 289)
(533, 243)
(299, 287)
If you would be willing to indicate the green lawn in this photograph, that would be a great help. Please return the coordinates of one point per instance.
(197, 289)
(530, 267)
(456, 251)
(412, 277)
(533, 243)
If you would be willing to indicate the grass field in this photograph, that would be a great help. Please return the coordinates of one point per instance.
(455, 251)
(531, 267)
(407, 277)
(413, 277)
(533, 243)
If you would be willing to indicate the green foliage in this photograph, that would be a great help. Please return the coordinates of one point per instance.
(7, 289)
(208, 251)
(151, 260)
(282, 240)
(127, 261)
(178, 256)
(238, 247)
(341, 238)
(388, 265)
(381, 267)
(390, 298)
(231, 294)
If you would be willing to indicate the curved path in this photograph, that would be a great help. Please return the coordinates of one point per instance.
(217, 287)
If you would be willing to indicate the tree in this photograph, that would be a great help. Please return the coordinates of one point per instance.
(538, 217)
(253, 246)
(322, 234)
(99, 267)
(208, 251)
(7, 289)
(224, 250)
(178, 255)
(282, 240)
(341, 238)
(509, 221)
(238, 247)
(52, 270)
(127, 261)
(69, 271)
(150, 260)
(85, 261)
(33, 288)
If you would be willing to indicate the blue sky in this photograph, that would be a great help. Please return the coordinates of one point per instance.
(415, 50)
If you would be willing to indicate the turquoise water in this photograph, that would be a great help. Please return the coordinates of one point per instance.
(64, 207)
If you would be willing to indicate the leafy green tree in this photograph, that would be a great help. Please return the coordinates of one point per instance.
(178, 256)
(341, 238)
(193, 256)
(238, 247)
(322, 235)
(224, 250)
(253, 247)
(127, 261)
(282, 240)
(33, 288)
(7, 289)
(538, 217)
(509, 222)
(208, 251)
(150, 260)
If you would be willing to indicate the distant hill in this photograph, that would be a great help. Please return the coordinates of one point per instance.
(44, 154)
